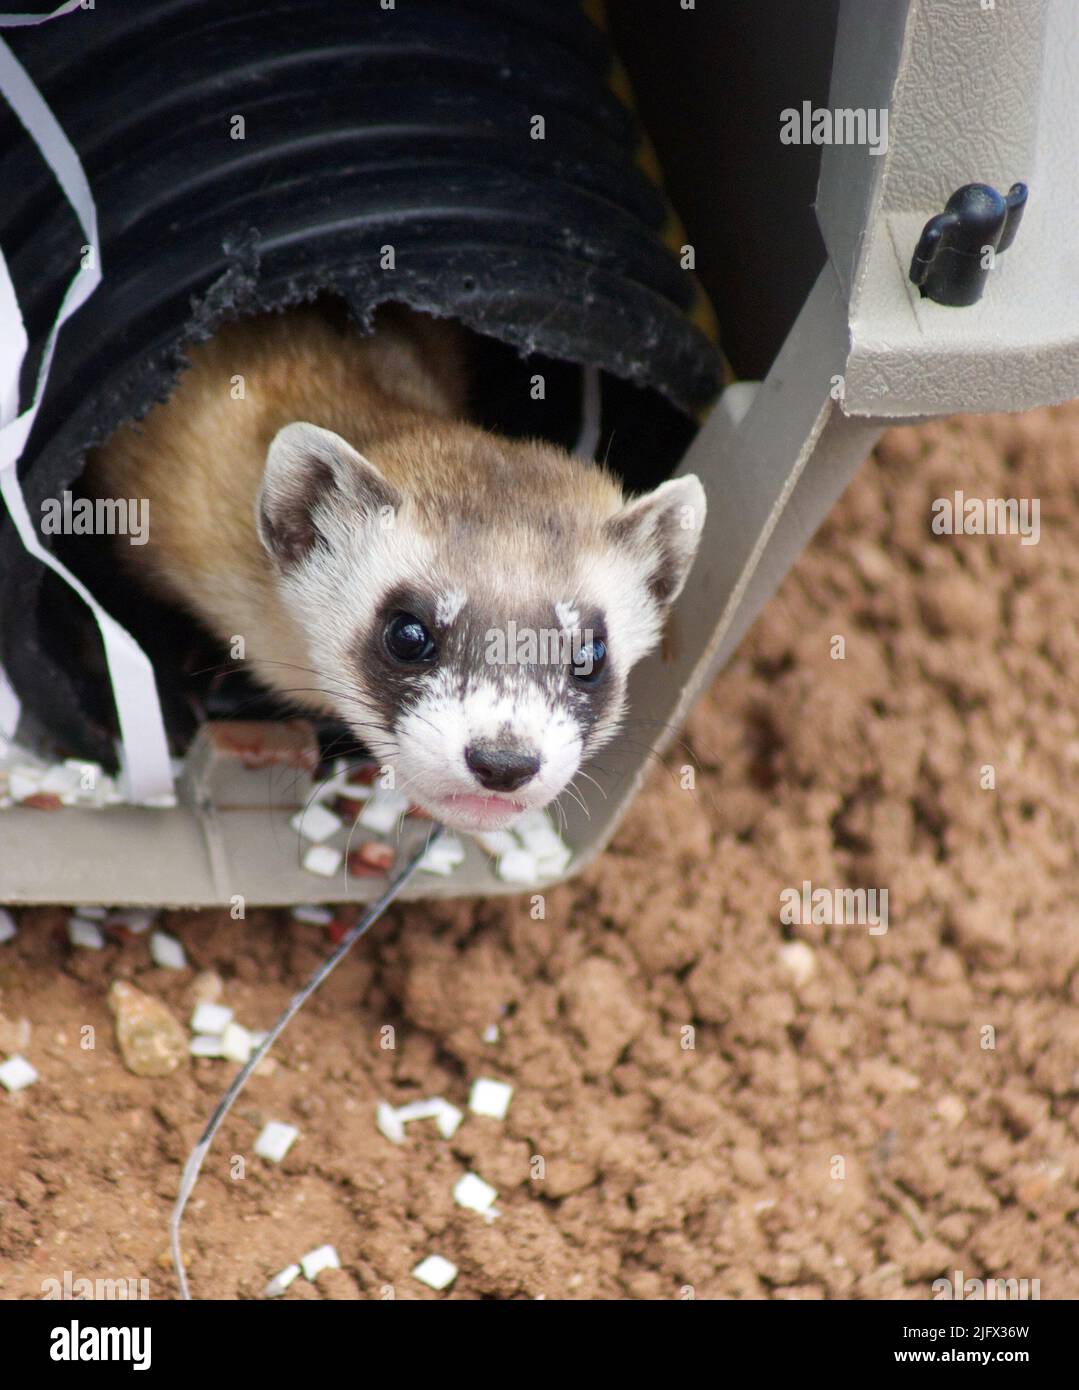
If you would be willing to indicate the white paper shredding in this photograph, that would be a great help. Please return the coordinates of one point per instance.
(280, 1282)
(436, 1272)
(382, 811)
(16, 1073)
(518, 866)
(236, 1043)
(490, 1098)
(315, 1261)
(322, 860)
(443, 856)
(388, 1123)
(82, 932)
(135, 919)
(210, 1018)
(275, 1139)
(166, 951)
(472, 1192)
(316, 823)
(313, 915)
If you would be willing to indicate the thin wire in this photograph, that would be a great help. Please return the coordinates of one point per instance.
(195, 1159)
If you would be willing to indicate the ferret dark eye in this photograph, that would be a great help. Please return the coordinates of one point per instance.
(407, 639)
(589, 660)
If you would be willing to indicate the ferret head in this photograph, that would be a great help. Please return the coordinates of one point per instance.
(473, 605)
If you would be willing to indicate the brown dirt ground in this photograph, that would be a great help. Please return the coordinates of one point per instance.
(666, 1167)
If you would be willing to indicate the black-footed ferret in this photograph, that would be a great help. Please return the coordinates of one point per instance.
(469, 605)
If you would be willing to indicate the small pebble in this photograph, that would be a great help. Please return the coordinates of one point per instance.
(95, 914)
(207, 988)
(7, 926)
(490, 1098)
(435, 1272)
(16, 1073)
(151, 1041)
(167, 952)
(206, 1045)
(275, 1140)
(798, 961)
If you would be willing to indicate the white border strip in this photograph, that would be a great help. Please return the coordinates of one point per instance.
(147, 773)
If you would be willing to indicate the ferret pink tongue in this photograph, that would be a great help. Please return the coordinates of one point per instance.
(482, 812)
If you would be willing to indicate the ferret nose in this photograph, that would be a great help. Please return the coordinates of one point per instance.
(501, 769)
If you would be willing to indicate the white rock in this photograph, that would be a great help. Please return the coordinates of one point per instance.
(315, 1261)
(16, 1073)
(280, 1282)
(236, 1043)
(435, 1272)
(472, 1192)
(206, 1045)
(798, 961)
(275, 1140)
(388, 1123)
(95, 914)
(210, 1018)
(490, 1098)
(316, 823)
(383, 810)
(518, 866)
(166, 951)
(490, 1033)
(82, 932)
(7, 926)
(322, 860)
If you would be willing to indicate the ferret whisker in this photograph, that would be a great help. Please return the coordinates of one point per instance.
(581, 773)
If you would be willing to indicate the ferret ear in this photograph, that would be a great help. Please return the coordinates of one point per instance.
(307, 468)
(662, 530)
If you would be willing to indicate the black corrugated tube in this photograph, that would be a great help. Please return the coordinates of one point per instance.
(362, 127)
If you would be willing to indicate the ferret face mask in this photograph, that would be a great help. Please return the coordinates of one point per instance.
(477, 637)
